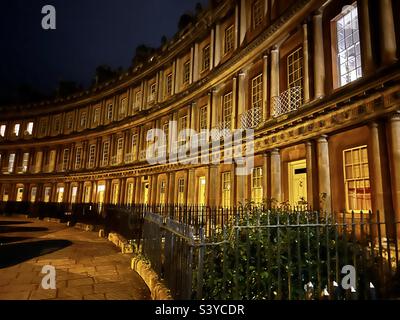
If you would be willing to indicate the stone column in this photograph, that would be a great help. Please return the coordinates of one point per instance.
(243, 21)
(319, 59)
(276, 185)
(171, 188)
(394, 132)
(241, 97)
(214, 108)
(196, 62)
(274, 76)
(234, 122)
(265, 112)
(306, 64)
(191, 187)
(368, 64)
(387, 32)
(377, 184)
(212, 46)
(236, 28)
(241, 186)
(213, 185)
(217, 47)
(122, 188)
(153, 189)
(310, 165)
(324, 179)
(265, 176)
(138, 188)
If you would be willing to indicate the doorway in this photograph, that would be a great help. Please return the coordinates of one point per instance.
(297, 182)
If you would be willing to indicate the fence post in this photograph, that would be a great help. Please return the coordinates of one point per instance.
(200, 265)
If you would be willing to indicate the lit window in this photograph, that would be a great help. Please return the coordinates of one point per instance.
(203, 118)
(130, 194)
(83, 119)
(166, 133)
(134, 145)
(229, 39)
(162, 192)
(169, 84)
(2, 130)
(25, 162)
(124, 104)
(206, 58)
(16, 129)
(256, 185)
(120, 149)
(69, 122)
(181, 191)
(57, 125)
(182, 129)
(258, 12)
(65, 159)
(356, 178)
(11, 160)
(78, 158)
(152, 95)
(92, 155)
(106, 152)
(96, 117)
(138, 99)
(257, 91)
(226, 189)
(47, 194)
(186, 72)
(227, 110)
(295, 68)
(29, 128)
(348, 45)
(110, 112)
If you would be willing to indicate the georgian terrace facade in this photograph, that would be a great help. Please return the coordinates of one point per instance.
(318, 80)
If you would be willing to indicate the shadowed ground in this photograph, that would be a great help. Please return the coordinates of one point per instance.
(87, 267)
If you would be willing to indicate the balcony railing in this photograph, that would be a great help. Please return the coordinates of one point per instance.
(5, 170)
(104, 163)
(287, 102)
(221, 130)
(129, 158)
(251, 118)
(142, 155)
(21, 169)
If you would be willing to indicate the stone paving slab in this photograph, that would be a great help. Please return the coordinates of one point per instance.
(87, 267)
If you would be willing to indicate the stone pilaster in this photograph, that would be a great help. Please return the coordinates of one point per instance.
(319, 59)
(324, 179)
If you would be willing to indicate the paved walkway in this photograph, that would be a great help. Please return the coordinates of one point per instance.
(87, 267)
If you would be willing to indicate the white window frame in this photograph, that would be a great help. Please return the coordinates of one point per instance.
(360, 178)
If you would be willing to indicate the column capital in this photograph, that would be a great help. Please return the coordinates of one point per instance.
(275, 151)
(395, 116)
(373, 124)
(323, 138)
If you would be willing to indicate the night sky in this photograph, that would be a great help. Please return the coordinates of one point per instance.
(89, 33)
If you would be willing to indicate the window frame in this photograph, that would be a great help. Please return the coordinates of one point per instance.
(355, 179)
(336, 73)
(229, 34)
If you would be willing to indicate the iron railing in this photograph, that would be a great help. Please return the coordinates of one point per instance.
(251, 118)
(252, 251)
(289, 101)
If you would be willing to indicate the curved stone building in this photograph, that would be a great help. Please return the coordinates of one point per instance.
(318, 81)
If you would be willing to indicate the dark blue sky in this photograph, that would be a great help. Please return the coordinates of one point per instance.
(89, 33)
